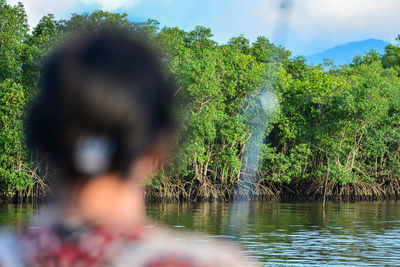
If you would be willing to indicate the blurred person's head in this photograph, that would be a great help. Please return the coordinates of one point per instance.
(103, 109)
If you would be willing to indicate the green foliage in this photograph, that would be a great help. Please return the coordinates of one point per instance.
(368, 59)
(96, 21)
(281, 167)
(348, 117)
(13, 152)
(13, 31)
(213, 82)
(391, 58)
(45, 36)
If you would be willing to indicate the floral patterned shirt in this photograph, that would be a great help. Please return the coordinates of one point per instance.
(142, 246)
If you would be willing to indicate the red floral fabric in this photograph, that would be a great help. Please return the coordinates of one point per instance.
(49, 246)
(139, 246)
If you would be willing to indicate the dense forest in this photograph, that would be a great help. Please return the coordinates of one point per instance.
(334, 132)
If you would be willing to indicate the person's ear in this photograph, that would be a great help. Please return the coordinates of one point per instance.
(149, 163)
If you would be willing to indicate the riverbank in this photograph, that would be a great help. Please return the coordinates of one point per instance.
(265, 190)
(317, 190)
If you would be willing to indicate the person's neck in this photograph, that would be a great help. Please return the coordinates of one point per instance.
(106, 200)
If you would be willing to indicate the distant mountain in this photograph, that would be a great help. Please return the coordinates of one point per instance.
(344, 53)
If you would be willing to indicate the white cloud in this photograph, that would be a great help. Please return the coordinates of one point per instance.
(310, 26)
(36, 9)
(330, 22)
(110, 5)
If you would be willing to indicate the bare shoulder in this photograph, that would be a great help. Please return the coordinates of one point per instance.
(161, 245)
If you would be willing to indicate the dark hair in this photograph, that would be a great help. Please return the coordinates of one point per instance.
(104, 100)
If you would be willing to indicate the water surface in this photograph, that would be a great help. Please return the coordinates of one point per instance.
(297, 233)
(282, 233)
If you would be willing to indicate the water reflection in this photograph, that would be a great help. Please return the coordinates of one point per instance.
(16, 215)
(297, 233)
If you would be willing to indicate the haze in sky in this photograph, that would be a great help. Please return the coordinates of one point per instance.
(304, 27)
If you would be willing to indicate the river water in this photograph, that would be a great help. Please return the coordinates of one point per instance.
(283, 234)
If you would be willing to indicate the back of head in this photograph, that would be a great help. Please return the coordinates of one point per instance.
(104, 100)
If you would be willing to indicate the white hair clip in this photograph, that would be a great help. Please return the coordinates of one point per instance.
(93, 154)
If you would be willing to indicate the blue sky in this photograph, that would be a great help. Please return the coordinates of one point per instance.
(305, 27)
